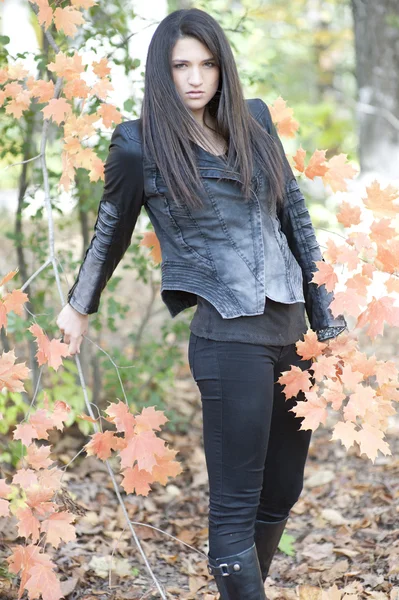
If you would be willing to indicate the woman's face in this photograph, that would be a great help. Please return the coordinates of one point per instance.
(194, 69)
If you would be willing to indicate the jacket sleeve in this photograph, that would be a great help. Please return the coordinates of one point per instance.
(119, 208)
(297, 226)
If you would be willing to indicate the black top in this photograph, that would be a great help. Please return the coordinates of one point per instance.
(279, 325)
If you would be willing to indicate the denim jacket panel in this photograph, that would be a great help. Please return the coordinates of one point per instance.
(201, 250)
(228, 237)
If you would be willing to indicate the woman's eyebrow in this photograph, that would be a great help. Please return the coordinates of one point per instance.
(183, 60)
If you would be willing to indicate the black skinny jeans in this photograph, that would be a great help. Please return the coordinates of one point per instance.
(255, 453)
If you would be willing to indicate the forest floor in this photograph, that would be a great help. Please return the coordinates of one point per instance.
(343, 531)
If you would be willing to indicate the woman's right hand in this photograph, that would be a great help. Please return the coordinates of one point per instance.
(73, 326)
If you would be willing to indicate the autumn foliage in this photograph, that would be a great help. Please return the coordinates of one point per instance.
(31, 497)
(360, 389)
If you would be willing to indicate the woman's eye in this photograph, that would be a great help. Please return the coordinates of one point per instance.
(183, 64)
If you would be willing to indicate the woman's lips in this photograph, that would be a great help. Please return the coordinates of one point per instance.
(195, 94)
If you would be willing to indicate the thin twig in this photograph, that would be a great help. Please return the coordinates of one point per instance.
(36, 273)
(22, 162)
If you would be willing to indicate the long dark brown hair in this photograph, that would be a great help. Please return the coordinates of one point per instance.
(169, 127)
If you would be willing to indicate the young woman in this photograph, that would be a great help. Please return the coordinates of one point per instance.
(237, 240)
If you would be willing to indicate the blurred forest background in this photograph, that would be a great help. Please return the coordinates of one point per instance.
(335, 62)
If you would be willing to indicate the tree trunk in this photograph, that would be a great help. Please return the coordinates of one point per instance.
(376, 26)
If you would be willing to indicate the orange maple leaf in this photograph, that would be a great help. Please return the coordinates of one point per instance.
(338, 170)
(80, 126)
(349, 256)
(350, 377)
(68, 67)
(12, 89)
(368, 269)
(49, 352)
(150, 419)
(10, 275)
(77, 88)
(136, 479)
(60, 412)
(85, 4)
(50, 478)
(19, 104)
(58, 528)
(310, 347)
(102, 88)
(96, 169)
(381, 230)
(349, 214)
(370, 441)
(68, 171)
(58, 109)
(142, 447)
(281, 115)
(385, 371)
(299, 159)
(66, 20)
(324, 366)
(381, 202)
(150, 240)
(38, 457)
(42, 422)
(344, 303)
(376, 313)
(11, 374)
(314, 411)
(28, 524)
(120, 415)
(333, 393)
(101, 444)
(17, 71)
(359, 283)
(109, 114)
(331, 253)
(294, 380)
(315, 167)
(101, 68)
(25, 477)
(166, 467)
(362, 243)
(325, 274)
(365, 364)
(45, 14)
(38, 499)
(40, 89)
(42, 577)
(362, 399)
(25, 432)
(346, 433)
(387, 258)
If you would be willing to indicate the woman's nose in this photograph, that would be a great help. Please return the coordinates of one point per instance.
(195, 78)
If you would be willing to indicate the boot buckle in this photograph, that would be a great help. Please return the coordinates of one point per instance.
(220, 569)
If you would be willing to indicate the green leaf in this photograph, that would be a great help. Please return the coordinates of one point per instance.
(286, 544)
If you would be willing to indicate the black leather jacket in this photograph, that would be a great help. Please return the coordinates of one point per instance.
(216, 251)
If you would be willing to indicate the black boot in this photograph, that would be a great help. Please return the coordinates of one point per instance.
(267, 537)
(238, 576)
